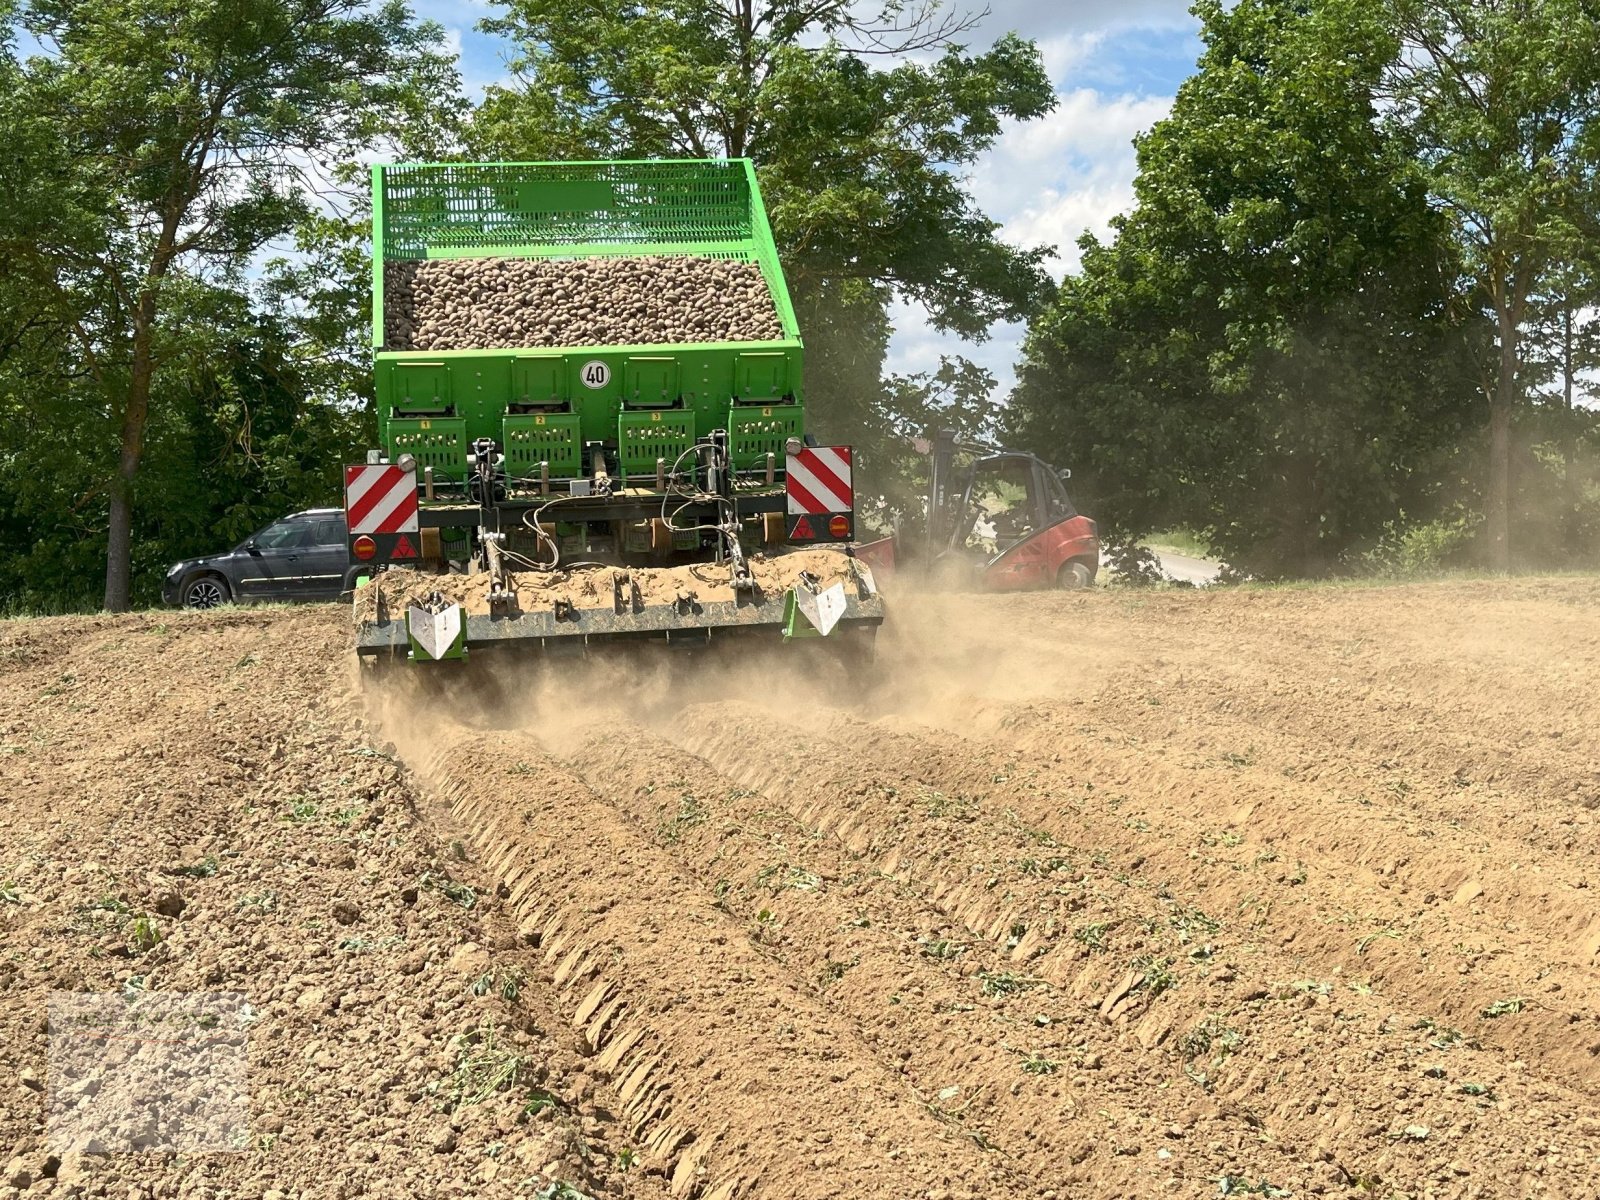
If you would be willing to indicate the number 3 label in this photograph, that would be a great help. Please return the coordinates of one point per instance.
(595, 374)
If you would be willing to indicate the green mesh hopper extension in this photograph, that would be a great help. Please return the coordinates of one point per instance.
(546, 406)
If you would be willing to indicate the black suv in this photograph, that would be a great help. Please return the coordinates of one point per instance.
(302, 557)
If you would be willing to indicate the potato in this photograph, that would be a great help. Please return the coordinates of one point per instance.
(459, 304)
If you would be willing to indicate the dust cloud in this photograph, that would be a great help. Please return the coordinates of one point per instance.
(940, 659)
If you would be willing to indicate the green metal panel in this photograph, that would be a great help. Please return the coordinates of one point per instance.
(538, 379)
(437, 442)
(377, 272)
(568, 209)
(480, 390)
(554, 196)
(767, 256)
(420, 386)
(531, 438)
(761, 375)
(650, 381)
(643, 437)
(754, 432)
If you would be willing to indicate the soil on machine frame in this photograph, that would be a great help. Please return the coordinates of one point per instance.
(1277, 892)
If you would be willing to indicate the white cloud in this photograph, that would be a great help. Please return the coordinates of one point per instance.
(452, 40)
(1044, 20)
(1051, 180)
(917, 347)
(1046, 182)
(1064, 53)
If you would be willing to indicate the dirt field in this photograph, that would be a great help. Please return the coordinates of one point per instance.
(1271, 893)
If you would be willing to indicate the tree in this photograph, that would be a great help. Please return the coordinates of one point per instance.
(1500, 99)
(1262, 351)
(859, 160)
(159, 143)
(239, 433)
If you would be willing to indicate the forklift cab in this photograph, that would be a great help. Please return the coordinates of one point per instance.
(1008, 497)
(1002, 519)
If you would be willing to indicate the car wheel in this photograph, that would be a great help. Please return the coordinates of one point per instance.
(1074, 576)
(208, 591)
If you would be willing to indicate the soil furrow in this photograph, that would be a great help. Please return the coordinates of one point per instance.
(704, 1034)
(1228, 961)
(1404, 912)
(986, 1045)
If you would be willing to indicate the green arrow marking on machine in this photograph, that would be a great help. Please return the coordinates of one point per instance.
(436, 630)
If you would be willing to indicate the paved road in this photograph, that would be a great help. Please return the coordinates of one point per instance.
(1198, 571)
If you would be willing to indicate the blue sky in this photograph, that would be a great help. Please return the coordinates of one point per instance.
(1116, 65)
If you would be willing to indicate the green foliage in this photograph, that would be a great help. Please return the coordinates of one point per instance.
(1036, 1063)
(1006, 983)
(204, 869)
(1407, 549)
(1504, 1008)
(1240, 1185)
(1156, 975)
(144, 934)
(154, 148)
(484, 1065)
(1500, 103)
(1265, 352)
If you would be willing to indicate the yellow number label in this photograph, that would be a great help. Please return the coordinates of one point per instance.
(538, 419)
(766, 412)
(424, 424)
(655, 417)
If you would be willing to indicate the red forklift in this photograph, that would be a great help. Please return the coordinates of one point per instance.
(999, 521)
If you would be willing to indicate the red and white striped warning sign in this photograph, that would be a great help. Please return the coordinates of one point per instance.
(819, 480)
(380, 499)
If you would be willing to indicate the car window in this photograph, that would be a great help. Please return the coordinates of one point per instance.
(283, 536)
(330, 533)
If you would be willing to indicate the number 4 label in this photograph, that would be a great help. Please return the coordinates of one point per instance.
(595, 374)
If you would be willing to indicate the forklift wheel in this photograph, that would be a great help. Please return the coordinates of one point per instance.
(1074, 576)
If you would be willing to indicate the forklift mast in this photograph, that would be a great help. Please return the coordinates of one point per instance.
(946, 487)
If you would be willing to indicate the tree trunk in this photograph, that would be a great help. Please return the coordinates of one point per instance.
(1497, 504)
(119, 544)
(1569, 439)
(119, 533)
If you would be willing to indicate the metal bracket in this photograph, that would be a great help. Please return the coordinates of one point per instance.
(625, 594)
(866, 585)
(502, 592)
(810, 610)
(600, 478)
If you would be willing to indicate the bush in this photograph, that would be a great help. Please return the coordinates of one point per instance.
(1131, 565)
(1406, 549)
